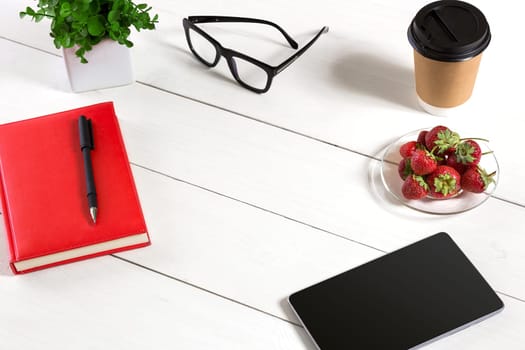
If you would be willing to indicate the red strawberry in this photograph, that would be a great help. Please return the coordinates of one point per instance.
(444, 182)
(476, 179)
(421, 137)
(453, 162)
(440, 138)
(404, 169)
(423, 162)
(431, 135)
(407, 149)
(468, 152)
(414, 187)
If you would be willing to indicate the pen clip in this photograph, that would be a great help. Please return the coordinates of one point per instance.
(86, 133)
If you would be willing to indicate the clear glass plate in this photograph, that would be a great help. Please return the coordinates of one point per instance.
(462, 202)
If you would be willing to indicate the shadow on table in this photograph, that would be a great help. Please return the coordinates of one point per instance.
(376, 77)
(5, 270)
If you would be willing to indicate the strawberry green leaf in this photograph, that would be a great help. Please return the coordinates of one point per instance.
(446, 139)
(487, 178)
(445, 184)
(421, 181)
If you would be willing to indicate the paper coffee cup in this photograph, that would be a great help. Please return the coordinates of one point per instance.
(448, 38)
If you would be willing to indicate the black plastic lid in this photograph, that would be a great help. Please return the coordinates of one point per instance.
(449, 30)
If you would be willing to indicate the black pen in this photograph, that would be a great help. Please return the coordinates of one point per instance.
(86, 146)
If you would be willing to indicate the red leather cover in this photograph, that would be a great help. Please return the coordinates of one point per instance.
(43, 186)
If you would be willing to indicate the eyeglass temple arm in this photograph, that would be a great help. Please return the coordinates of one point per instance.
(209, 19)
(295, 56)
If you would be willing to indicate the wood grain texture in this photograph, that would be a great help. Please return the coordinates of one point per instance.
(107, 303)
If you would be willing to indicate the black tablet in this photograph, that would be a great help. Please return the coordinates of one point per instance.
(401, 300)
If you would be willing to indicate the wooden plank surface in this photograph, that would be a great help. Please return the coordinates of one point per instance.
(108, 303)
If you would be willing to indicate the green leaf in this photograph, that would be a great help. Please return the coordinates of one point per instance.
(84, 23)
(57, 43)
(95, 25)
(76, 25)
(115, 27)
(125, 31)
(94, 8)
(65, 9)
(80, 17)
(118, 4)
(421, 181)
(80, 54)
(67, 42)
(113, 16)
(113, 36)
(53, 24)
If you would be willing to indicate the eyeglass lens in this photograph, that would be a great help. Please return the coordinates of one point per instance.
(250, 74)
(202, 47)
(244, 71)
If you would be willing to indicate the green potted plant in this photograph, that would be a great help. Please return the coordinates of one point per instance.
(84, 27)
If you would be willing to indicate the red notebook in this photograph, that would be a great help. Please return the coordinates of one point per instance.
(43, 190)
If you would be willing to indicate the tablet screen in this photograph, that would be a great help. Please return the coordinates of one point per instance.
(398, 301)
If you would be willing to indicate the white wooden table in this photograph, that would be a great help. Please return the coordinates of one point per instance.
(250, 197)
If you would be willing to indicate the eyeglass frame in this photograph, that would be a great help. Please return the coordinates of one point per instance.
(229, 54)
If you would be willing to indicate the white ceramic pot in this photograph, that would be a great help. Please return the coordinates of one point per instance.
(109, 65)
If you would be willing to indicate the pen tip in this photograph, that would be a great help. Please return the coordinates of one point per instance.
(93, 212)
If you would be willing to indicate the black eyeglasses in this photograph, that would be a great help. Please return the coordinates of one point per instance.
(249, 72)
